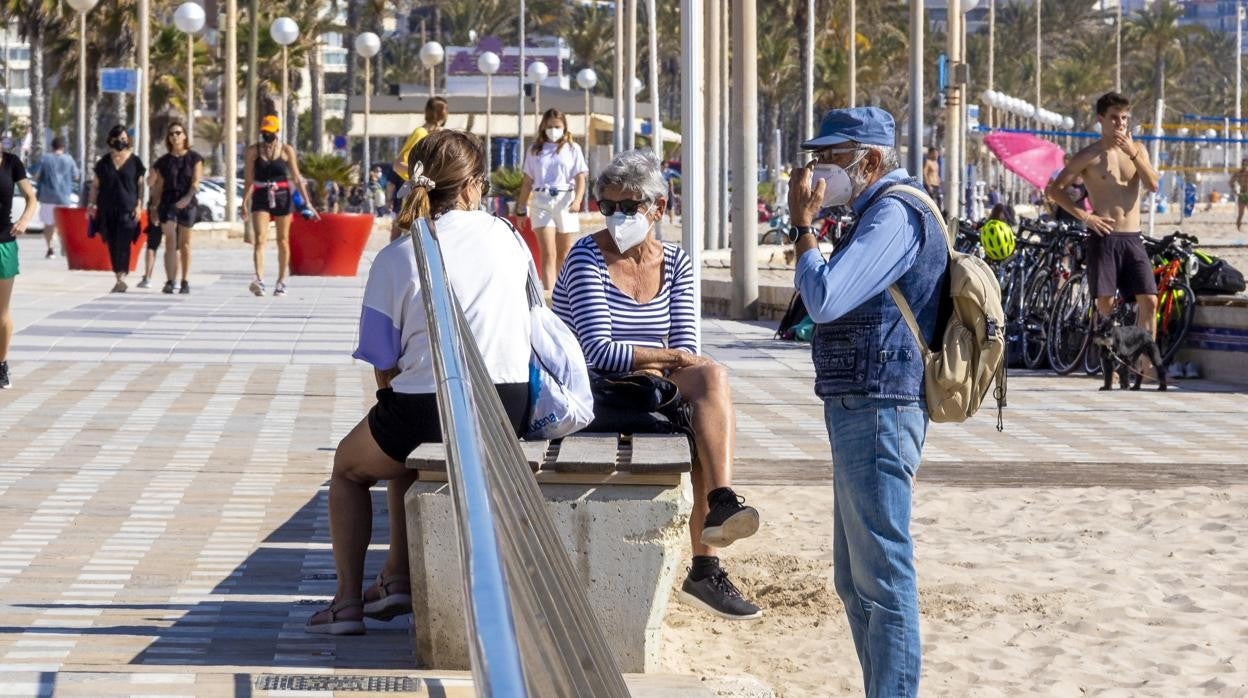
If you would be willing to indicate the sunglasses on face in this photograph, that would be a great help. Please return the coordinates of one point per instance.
(828, 156)
(628, 207)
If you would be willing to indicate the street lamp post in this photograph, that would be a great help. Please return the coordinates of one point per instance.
(586, 79)
(367, 44)
(488, 63)
(284, 31)
(82, 7)
(189, 18)
(431, 55)
(537, 72)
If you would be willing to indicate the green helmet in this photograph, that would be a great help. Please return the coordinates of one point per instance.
(997, 237)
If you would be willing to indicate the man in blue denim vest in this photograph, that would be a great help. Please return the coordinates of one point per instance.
(869, 372)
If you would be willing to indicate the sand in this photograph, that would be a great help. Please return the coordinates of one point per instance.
(1024, 592)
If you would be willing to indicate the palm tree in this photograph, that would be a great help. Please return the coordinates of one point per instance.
(36, 21)
(1155, 32)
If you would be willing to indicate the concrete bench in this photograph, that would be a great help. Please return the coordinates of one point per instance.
(621, 505)
(1218, 339)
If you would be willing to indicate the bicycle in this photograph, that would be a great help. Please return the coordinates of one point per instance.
(1074, 312)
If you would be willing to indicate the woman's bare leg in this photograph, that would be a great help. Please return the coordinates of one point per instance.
(563, 243)
(184, 250)
(358, 464)
(6, 317)
(283, 246)
(170, 231)
(549, 255)
(259, 235)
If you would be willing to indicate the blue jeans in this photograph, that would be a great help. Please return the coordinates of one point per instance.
(876, 445)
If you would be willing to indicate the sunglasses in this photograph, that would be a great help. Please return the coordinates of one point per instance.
(828, 155)
(628, 207)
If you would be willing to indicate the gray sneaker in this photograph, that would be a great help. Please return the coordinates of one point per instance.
(1190, 370)
(144, 283)
(716, 594)
(256, 287)
(1175, 370)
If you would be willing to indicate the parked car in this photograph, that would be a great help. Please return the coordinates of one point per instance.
(211, 199)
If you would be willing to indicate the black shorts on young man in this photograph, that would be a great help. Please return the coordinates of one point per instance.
(1118, 262)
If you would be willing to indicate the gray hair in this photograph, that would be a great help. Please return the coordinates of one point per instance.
(634, 170)
(889, 160)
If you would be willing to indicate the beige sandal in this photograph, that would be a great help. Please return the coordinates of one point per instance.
(334, 626)
(380, 603)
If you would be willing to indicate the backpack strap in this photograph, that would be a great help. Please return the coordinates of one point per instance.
(894, 290)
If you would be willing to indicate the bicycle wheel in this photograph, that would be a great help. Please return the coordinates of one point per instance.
(1069, 327)
(1039, 300)
(1175, 309)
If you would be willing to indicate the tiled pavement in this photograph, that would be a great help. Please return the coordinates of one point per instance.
(163, 467)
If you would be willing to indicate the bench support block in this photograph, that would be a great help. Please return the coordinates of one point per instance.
(626, 543)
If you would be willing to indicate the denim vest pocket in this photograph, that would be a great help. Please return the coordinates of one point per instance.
(843, 353)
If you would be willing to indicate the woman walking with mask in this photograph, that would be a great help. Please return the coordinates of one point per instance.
(554, 172)
(115, 206)
(175, 181)
(271, 171)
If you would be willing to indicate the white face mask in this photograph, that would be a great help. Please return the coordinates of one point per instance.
(628, 231)
(553, 134)
(840, 188)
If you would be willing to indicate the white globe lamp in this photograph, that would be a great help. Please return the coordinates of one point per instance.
(367, 44)
(189, 18)
(431, 54)
(488, 63)
(586, 79)
(537, 72)
(284, 31)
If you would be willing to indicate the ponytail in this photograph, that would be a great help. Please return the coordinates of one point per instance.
(415, 205)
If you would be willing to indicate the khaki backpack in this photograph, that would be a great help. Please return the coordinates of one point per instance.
(971, 354)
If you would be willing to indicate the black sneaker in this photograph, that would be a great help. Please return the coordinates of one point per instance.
(4, 375)
(729, 520)
(168, 287)
(716, 594)
(186, 287)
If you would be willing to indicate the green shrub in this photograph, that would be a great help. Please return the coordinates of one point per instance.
(326, 168)
(506, 182)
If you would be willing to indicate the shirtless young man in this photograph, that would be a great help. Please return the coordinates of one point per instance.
(1239, 183)
(1113, 168)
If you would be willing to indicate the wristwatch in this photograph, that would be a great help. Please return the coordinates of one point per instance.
(797, 231)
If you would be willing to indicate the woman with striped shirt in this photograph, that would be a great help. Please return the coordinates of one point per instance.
(629, 299)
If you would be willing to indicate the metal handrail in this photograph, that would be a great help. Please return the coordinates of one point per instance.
(532, 630)
(495, 654)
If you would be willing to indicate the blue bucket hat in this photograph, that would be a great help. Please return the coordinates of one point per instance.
(865, 125)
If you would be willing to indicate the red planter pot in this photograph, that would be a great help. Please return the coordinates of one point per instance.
(331, 246)
(90, 254)
(525, 226)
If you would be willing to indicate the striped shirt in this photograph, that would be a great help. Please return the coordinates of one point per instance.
(609, 323)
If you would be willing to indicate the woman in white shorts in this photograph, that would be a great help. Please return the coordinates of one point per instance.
(554, 173)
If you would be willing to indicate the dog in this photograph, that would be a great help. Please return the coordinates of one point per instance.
(1121, 349)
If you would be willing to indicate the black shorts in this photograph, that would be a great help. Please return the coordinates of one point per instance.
(154, 236)
(281, 202)
(1118, 262)
(185, 217)
(400, 422)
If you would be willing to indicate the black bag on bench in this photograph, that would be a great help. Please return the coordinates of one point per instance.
(638, 403)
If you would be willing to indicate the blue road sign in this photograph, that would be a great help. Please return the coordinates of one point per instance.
(119, 80)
